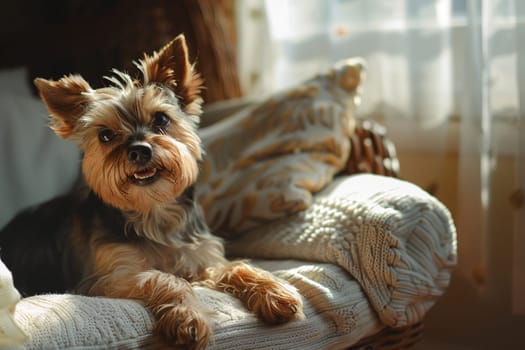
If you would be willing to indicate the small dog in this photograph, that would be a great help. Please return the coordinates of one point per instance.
(134, 229)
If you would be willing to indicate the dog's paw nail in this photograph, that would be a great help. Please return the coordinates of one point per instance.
(293, 308)
(194, 335)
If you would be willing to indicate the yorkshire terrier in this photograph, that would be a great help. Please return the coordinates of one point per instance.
(134, 229)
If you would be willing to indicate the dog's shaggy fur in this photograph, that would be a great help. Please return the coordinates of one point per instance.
(134, 230)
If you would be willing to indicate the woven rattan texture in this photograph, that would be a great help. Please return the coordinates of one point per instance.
(372, 151)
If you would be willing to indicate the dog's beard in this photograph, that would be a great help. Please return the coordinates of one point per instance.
(127, 187)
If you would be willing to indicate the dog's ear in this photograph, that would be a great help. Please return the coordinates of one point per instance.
(66, 100)
(171, 67)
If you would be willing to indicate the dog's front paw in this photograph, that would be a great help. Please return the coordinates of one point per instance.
(275, 302)
(271, 299)
(185, 327)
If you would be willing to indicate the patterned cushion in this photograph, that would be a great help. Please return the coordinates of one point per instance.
(265, 161)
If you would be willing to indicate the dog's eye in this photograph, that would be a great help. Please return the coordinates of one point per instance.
(160, 121)
(106, 135)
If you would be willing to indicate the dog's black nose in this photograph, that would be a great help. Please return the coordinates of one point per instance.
(140, 153)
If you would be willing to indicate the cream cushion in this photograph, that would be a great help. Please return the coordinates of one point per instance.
(371, 252)
(10, 332)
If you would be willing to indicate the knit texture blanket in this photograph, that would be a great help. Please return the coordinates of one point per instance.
(337, 314)
(395, 239)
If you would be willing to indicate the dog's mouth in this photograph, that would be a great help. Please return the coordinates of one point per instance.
(145, 176)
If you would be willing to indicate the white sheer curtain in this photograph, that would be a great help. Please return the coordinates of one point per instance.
(443, 75)
(518, 285)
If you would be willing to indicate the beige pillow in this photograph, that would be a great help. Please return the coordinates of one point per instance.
(265, 161)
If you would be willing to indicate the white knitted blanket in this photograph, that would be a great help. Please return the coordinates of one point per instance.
(395, 239)
(337, 315)
(375, 251)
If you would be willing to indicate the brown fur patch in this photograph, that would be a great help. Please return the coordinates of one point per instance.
(171, 67)
(122, 272)
(274, 301)
(66, 100)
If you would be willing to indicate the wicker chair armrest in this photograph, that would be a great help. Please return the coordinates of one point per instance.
(371, 151)
(392, 338)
